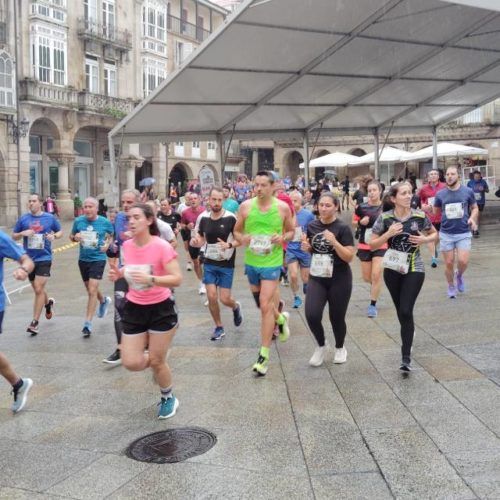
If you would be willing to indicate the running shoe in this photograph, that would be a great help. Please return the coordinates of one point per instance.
(452, 291)
(460, 282)
(87, 329)
(318, 356)
(340, 356)
(261, 366)
(218, 333)
(297, 302)
(168, 407)
(237, 316)
(475, 234)
(202, 290)
(33, 328)
(434, 262)
(405, 364)
(206, 303)
(103, 307)
(189, 266)
(48, 308)
(21, 395)
(113, 359)
(372, 311)
(284, 281)
(284, 328)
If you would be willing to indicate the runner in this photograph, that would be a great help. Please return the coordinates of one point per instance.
(215, 232)
(188, 223)
(128, 199)
(479, 187)
(332, 246)
(427, 196)
(168, 215)
(150, 316)
(20, 386)
(229, 202)
(458, 208)
(185, 232)
(263, 224)
(94, 233)
(364, 217)
(295, 257)
(404, 230)
(38, 229)
(166, 231)
(345, 184)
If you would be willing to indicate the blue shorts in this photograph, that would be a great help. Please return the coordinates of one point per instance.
(256, 274)
(303, 258)
(218, 276)
(448, 242)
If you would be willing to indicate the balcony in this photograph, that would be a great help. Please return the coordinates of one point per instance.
(104, 104)
(104, 34)
(33, 90)
(189, 30)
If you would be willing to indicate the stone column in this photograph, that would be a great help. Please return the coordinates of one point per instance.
(129, 164)
(64, 201)
(255, 162)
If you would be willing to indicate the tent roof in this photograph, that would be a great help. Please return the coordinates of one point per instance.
(282, 68)
(445, 149)
(336, 159)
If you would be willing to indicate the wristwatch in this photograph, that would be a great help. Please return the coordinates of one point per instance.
(230, 245)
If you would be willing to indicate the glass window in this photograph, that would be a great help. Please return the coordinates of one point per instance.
(35, 144)
(92, 75)
(110, 80)
(44, 59)
(59, 63)
(48, 54)
(35, 168)
(83, 148)
(6, 81)
(108, 18)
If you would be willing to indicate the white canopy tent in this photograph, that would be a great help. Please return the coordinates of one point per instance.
(386, 155)
(298, 68)
(447, 149)
(336, 159)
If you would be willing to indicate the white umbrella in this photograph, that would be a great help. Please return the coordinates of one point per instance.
(336, 159)
(387, 155)
(447, 149)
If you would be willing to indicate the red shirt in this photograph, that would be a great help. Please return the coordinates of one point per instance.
(428, 191)
(191, 214)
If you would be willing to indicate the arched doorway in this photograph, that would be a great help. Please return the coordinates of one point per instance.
(291, 164)
(357, 152)
(179, 175)
(319, 172)
(145, 170)
(214, 170)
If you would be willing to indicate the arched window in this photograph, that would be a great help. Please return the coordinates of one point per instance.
(6, 81)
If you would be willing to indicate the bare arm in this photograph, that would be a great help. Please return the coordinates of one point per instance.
(239, 227)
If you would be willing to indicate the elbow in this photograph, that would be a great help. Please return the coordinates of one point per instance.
(177, 280)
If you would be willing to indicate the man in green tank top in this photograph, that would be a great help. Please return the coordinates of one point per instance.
(264, 224)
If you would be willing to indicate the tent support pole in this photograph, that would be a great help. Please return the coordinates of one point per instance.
(306, 160)
(377, 153)
(434, 149)
(221, 157)
(113, 175)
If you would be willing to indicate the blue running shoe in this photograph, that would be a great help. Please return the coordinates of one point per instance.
(103, 307)
(168, 407)
(21, 395)
(372, 311)
(460, 282)
(297, 302)
(237, 316)
(434, 262)
(218, 333)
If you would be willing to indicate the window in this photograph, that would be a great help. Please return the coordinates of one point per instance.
(44, 59)
(195, 150)
(154, 26)
(90, 11)
(35, 144)
(59, 63)
(49, 53)
(154, 71)
(92, 75)
(83, 148)
(179, 149)
(182, 52)
(6, 81)
(110, 80)
(211, 148)
(108, 18)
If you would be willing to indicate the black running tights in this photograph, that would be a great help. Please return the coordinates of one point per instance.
(337, 292)
(120, 290)
(404, 290)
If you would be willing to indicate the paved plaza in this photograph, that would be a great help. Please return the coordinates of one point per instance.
(358, 430)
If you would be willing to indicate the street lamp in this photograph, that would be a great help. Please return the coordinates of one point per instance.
(16, 131)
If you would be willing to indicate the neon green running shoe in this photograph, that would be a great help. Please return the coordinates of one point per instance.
(283, 327)
(261, 366)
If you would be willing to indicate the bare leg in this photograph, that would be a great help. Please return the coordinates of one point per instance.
(462, 261)
(226, 298)
(40, 296)
(132, 352)
(376, 278)
(213, 304)
(7, 371)
(449, 261)
(92, 286)
(159, 344)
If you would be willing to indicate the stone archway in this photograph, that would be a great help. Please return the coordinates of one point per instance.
(179, 176)
(214, 170)
(291, 163)
(357, 152)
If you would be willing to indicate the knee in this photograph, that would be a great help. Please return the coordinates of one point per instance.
(266, 306)
(226, 300)
(133, 363)
(38, 289)
(212, 295)
(156, 363)
(405, 314)
(367, 279)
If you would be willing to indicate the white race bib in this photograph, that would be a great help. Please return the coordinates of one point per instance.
(396, 260)
(214, 252)
(194, 233)
(145, 268)
(454, 210)
(430, 201)
(321, 265)
(297, 235)
(368, 235)
(478, 196)
(365, 199)
(89, 239)
(35, 242)
(261, 244)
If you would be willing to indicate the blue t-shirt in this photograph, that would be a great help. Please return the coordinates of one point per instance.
(231, 204)
(455, 209)
(8, 249)
(303, 218)
(479, 189)
(37, 246)
(93, 234)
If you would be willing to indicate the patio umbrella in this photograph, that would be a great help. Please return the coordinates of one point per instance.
(336, 159)
(387, 155)
(448, 149)
(147, 181)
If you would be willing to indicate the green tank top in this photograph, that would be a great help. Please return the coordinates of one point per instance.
(261, 226)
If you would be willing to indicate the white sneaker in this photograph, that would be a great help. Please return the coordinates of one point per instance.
(202, 290)
(205, 303)
(189, 266)
(340, 355)
(318, 356)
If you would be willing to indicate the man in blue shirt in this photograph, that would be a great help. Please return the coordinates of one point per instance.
(479, 187)
(20, 386)
(458, 208)
(94, 233)
(38, 229)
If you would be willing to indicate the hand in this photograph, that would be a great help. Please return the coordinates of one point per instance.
(305, 245)
(141, 278)
(426, 208)
(365, 220)
(127, 235)
(104, 248)
(77, 237)
(329, 236)
(28, 232)
(472, 223)
(114, 273)
(224, 245)
(418, 240)
(50, 237)
(195, 242)
(394, 229)
(20, 274)
(246, 239)
(190, 225)
(277, 239)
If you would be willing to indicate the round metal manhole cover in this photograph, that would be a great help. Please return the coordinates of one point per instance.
(171, 446)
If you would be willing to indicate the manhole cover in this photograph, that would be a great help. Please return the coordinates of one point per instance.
(172, 445)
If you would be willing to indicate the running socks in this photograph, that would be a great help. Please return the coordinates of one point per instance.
(264, 352)
(166, 392)
(373, 302)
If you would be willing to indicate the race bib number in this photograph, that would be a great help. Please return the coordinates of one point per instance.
(365, 199)
(396, 260)
(35, 242)
(321, 265)
(454, 210)
(214, 252)
(430, 201)
(129, 269)
(368, 235)
(478, 196)
(297, 235)
(194, 233)
(261, 244)
(89, 239)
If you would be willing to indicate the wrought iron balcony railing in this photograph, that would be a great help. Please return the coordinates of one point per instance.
(184, 28)
(107, 34)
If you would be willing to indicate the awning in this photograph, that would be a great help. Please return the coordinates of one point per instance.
(336, 159)
(285, 68)
(386, 155)
(447, 149)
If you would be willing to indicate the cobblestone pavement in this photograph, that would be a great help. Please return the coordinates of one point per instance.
(358, 430)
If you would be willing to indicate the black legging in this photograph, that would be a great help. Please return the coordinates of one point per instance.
(120, 290)
(337, 292)
(404, 290)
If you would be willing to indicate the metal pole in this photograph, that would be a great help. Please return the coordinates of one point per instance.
(306, 160)
(434, 149)
(18, 112)
(377, 154)
(221, 155)
(113, 177)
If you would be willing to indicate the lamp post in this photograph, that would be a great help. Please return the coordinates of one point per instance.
(18, 128)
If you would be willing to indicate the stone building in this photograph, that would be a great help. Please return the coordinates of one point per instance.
(82, 67)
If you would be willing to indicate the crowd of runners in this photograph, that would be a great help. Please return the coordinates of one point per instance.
(287, 235)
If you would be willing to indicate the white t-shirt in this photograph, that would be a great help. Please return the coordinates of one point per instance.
(166, 232)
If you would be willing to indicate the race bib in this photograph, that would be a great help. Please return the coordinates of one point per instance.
(261, 244)
(90, 239)
(297, 235)
(396, 260)
(145, 268)
(478, 196)
(430, 201)
(368, 235)
(454, 210)
(321, 265)
(365, 199)
(35, 242)
(214, 252)
(194, 233)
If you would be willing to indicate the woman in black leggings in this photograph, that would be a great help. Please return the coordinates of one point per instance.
(330, 280)
(404, 229)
